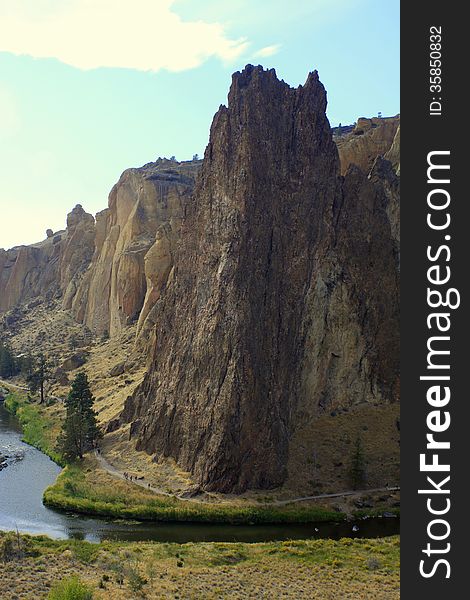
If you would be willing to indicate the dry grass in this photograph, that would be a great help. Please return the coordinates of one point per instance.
(322, 450)
(319, 569)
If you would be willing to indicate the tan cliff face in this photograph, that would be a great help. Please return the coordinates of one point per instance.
(282, 302)
(108, 272)
(145, 207)
(367, 140)
(111, 272)
(50, 268)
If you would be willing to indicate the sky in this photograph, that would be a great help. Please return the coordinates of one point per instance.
(89, 88)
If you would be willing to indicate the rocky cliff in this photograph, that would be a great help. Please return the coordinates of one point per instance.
(50, 268)
(109, 272)
(133, 246)
(368, 139)
(282, 301)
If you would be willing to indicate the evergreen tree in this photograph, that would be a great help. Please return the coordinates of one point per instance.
(8, 363)
(40, 375)
(358, 470)
(80, 430)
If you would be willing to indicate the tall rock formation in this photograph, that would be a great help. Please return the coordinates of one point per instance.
(280, 271)
(145, 210)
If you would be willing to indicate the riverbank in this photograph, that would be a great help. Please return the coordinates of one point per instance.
(86, 488)
(39, 428)
(310, 569)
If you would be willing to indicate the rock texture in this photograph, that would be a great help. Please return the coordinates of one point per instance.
(393, 154)
(282, 298)
(353, 302)
(133, 242)
(50, 268)
(369, 138)
(109, 273)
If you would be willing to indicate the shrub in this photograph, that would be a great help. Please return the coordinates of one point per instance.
(12, 547)
(373, 563)
(136, 581)
(7, 548)
(70, 589)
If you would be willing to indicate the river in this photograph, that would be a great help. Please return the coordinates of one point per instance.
(24, 480)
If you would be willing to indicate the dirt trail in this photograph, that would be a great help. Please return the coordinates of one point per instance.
(7, 384)
(113, 471)
(109, 468)
(337, 495)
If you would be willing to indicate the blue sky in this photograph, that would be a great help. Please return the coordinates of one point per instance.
(89, 88)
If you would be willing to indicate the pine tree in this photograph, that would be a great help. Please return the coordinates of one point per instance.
(358, 471)
(8, 364)
(39, 376)
(80, 430)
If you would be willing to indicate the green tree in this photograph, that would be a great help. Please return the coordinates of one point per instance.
(8, 362)
(80, 430)
(40, 375)
(358, 469)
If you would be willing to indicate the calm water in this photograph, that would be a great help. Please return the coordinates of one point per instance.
(23, 481)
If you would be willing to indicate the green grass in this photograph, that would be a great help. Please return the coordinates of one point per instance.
(84, 491)
(70, 589)
(38, 429)
(346, 552)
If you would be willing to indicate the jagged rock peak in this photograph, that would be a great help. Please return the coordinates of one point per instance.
(78, 215)
(258, 80)
(229, 339)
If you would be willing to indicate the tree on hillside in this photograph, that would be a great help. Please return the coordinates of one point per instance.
(8, 363)
(80, 430)
(358, 469)
(40, 374)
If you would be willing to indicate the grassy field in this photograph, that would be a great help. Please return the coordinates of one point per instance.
(312, 569)
(86, 489)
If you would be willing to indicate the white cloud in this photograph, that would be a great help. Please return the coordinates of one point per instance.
(136, 34)
(268, 51)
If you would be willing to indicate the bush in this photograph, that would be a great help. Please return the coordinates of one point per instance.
(12, 547)
(70, 589)
(7, 548)
(373, 563)
(136, 581)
